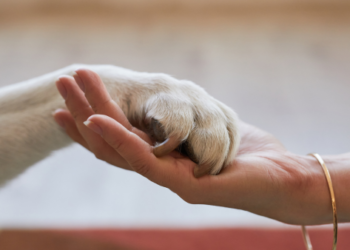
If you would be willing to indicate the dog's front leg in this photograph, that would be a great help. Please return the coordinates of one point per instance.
(28, 132)
(177, 112)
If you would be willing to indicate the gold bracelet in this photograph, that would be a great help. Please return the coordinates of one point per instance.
(335, 220)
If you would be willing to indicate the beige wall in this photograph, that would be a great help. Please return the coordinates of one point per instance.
(5, 4)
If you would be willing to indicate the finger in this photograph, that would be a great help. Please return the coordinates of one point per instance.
(66, 121)
(74, 98)
(81, 110)
(98, 97)
(100, 100)
(164, 171)
(78, 107)
(131, 147)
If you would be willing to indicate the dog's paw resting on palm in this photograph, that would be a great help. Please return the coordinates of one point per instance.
(187, 119)
(177, 115)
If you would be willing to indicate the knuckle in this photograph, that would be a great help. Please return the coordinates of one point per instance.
(141, 168)
(75, 114)
(81, 113)
(116, 144)
(100, 106)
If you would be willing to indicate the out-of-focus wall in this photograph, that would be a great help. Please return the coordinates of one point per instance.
(163, 3)
(168, 2)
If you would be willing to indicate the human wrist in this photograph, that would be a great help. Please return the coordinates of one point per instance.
(312, 193)
(339, 168)
(317, 195)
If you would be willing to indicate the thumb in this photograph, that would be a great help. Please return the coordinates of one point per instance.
(175, 174)
(130, 146)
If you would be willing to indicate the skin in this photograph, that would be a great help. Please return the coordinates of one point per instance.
(264, 178)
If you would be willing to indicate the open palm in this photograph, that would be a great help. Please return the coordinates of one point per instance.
(264, 178)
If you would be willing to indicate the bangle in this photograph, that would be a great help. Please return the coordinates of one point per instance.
(334, 208)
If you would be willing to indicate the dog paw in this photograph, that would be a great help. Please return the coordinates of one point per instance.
(183, 117)
(177, 115)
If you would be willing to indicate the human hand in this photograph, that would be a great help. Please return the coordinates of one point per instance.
(264, 178)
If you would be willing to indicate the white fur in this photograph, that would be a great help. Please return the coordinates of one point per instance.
(28, 132)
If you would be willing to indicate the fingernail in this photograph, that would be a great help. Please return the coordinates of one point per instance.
(61, 88)
(79, 82)
(93, 126)
(56, 111)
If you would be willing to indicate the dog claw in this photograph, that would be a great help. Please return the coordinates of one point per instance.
(166, 147)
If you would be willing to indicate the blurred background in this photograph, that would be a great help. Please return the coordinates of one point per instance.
(283, 65)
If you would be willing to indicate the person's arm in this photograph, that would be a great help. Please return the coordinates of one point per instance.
(264, 178)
